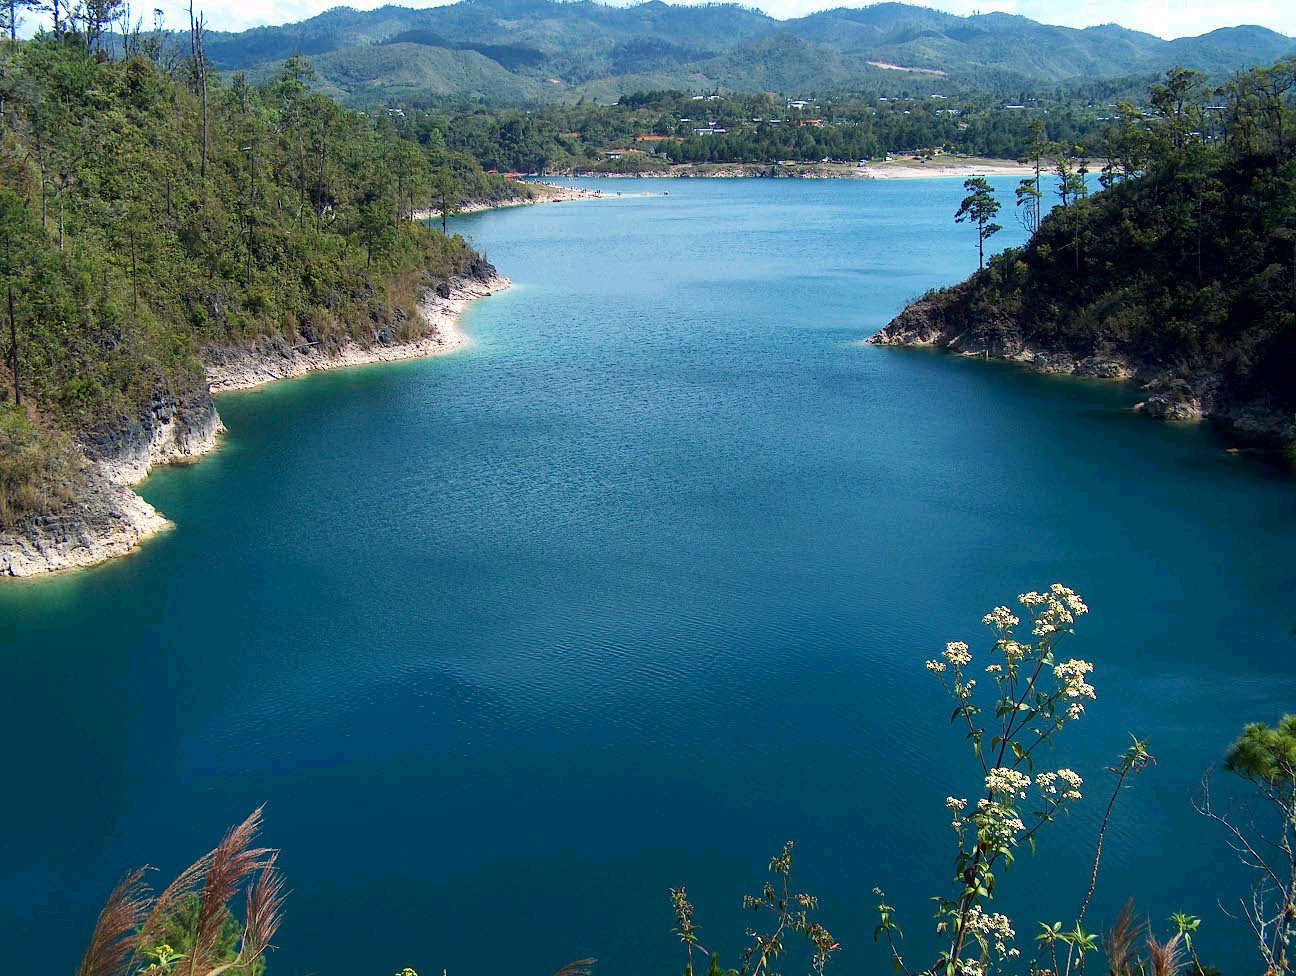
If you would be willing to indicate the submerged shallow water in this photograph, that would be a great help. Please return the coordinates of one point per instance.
(628, 593)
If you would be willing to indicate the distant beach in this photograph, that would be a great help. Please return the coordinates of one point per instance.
(898, 168)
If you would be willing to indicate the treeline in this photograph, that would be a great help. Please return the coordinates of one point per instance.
(149, 209)
(1187, 258)
(759, 128)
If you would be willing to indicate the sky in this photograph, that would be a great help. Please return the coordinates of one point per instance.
(1165, 18)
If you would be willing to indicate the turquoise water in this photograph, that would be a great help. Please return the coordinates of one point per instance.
(628, 593)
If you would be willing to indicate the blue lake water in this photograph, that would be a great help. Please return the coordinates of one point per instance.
(631, 591)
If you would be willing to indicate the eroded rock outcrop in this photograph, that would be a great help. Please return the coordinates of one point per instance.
(107, 519)
(950, 320)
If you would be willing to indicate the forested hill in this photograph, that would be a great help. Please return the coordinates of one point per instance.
(548, 50)
(1181, 273)
(149, 211)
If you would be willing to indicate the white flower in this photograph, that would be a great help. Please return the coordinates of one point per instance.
(1071, 676)
(1071, 783)
(993, 925)
(1007, 781)
(1000, 618)
(954, 803)
(1013, 651)
(1060, 607)
(997, 821)
(937, 666)
(956, 652)
(993, 668)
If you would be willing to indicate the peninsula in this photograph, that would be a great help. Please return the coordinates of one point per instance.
(1179, 273)
(164, 238)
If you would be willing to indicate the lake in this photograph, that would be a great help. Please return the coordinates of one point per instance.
(632, 590)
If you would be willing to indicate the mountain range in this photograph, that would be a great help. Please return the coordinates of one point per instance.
(549, 50)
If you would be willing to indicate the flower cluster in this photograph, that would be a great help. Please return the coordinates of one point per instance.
(1071, 675)
(1000, 618)
(991, 928)
(998, 823)
(1008, 782)
(1014, 651)
(957, 653)
(1055, 610)
(1070, 784)
(957, 805)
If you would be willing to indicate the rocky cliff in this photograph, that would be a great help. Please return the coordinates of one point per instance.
(108, 519)
(954, 320)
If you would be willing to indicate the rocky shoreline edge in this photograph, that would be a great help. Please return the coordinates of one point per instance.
(108, 519)
(1172, 395)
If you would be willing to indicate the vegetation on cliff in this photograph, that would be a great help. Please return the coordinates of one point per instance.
(149, 210)
(1184, 265)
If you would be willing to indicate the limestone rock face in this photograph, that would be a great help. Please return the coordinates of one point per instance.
(108, 519)
(947, 320)
(267, 359)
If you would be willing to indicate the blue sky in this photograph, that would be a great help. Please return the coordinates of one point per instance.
(1165, 18)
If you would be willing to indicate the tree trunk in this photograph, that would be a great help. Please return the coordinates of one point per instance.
(13, 348)
(200, 67)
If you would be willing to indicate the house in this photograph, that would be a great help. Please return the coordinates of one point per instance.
(797, 103)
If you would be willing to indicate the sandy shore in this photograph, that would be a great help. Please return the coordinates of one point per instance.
(905, 168)
(909, 169)
(545, 193)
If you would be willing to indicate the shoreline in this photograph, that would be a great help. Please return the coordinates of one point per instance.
(544, 193)
(259, 363)
(109, 519)
(941, 167)
(1164, 395)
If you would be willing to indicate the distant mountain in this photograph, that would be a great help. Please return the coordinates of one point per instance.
(543, 50)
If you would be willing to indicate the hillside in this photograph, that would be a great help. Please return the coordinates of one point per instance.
(154, 222)
(546, 50)
(1181, 274)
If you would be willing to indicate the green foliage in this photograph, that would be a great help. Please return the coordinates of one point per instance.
(39, 469)
(138, 228)
(670, 126)
(1265, 754)
(979, 207)
(179, 932)
(188, 928)
(788, 911)
(537, 51)
(1263, 834)
(1186, 261)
